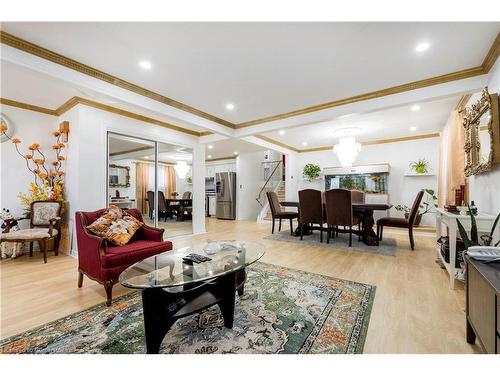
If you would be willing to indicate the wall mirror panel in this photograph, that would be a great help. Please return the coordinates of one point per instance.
(155, 178)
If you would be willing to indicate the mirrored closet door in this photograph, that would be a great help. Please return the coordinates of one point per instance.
(153, 177)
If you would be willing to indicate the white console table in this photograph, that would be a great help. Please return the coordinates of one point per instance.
(484, 224)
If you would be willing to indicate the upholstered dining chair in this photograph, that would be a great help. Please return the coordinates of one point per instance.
(311, 211)
(339, 212)
(151, 203)
(278, 213)
(45, 220)
(399, 222)
(162, 206)
(186, 195)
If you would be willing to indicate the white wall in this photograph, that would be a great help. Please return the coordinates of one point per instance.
(30, 127)
(248, 183)
(485, 188)
(402, 190)
(87, 179)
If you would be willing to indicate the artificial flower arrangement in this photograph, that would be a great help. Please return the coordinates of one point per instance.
(48, 177)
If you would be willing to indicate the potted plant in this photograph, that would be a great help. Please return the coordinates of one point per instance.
(420, 166)
(404, 209)
(311, 172)
(428, 205)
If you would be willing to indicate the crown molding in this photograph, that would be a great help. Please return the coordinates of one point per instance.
(24, 45)
(277, 143)
(29, 107)
(366, 143)
(223, 158)
(104, 107)
(462, 74)
(54, 57)
(492, 55)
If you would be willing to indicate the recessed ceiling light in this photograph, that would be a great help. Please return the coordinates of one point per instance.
(413, 128)
(235, 153)
(304, 143)
(209, 156)
(144, 64)
(210, 147)
(415, 107)
(229, 106)
(421, 47)
(282, 132)
(146, 157)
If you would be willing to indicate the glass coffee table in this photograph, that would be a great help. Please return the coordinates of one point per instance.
(173, 288)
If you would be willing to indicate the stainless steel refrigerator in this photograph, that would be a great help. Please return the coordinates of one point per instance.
(225, 188)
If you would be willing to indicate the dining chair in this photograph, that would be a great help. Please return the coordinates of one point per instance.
(278, 213)
(400, 222)
(311, 210)
(151, 205)
(162, 205)
(339, 212)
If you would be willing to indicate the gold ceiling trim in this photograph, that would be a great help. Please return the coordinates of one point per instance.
(42, 52)
(24, 45)
(277, 143)
(223, 158)
(492, 55)
(365, 143)
(29, 107)
(90, 103)
(137, 149)
(462, 74)
(462, 102)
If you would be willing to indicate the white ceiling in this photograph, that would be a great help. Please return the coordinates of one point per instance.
(383, 124)
(227, 147)
(28, 86)
(265, 68)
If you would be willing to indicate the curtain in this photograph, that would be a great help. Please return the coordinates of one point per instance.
(169, 181)
(453, 148)
(141, 186)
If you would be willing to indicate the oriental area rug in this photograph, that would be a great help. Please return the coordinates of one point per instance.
(281, 311)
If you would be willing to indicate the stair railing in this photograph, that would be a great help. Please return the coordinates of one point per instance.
(272, 176)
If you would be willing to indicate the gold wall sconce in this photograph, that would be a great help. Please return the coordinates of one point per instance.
(64, 130)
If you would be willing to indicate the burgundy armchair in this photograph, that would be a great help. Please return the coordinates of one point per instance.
(102, 261)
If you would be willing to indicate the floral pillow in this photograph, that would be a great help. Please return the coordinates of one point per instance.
(115, 226)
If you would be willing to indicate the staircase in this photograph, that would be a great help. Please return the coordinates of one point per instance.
(281, 197)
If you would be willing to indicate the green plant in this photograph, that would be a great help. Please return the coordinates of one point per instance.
(189, 180)
(403, 208)
(474, 239)
(311, 171)
(430, 203)
(420, 166)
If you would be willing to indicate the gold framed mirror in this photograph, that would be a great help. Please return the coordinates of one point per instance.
(119, 176)
(482, 134)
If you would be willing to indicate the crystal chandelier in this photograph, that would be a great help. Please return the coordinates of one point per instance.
(347, 149)
(182, 169)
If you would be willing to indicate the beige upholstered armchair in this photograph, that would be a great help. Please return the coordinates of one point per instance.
(44, 226)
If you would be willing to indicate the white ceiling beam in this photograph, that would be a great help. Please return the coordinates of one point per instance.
(60, 72)
(268, 145)
(435, 92)
(212, 138)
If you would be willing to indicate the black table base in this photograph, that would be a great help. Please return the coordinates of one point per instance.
(162, 308)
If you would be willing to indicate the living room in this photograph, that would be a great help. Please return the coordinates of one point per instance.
(337, 205)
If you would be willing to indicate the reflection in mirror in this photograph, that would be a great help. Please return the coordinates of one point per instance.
(172, 180)
(484, 138)
(175, 203)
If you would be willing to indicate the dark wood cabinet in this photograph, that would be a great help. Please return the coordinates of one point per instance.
(483, 305)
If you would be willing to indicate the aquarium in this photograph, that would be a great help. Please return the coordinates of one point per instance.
(370, 183)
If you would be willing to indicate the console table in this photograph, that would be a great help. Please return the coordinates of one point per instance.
(483, 304)
(484, 224)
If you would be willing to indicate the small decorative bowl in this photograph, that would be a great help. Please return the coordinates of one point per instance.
(212, 248)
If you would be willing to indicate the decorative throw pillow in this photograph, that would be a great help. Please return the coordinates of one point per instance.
(115, 226)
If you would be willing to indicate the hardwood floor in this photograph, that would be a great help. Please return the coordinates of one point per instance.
(414, 310)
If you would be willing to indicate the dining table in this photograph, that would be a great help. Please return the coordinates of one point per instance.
(181, 203)
(365, 210)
